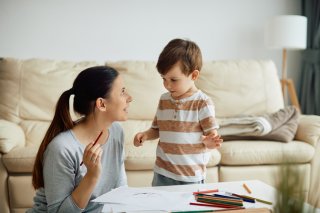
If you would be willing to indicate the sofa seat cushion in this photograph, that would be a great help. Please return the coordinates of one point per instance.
(265, 152)
(20, 159)
(21, 192)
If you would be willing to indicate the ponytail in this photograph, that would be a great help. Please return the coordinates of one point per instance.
(61, 122)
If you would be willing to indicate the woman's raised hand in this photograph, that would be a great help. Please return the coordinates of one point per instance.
(92, 159)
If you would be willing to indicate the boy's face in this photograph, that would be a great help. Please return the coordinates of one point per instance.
(178, 84)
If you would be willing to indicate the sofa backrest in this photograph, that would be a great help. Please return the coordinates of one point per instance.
(242, 87)
(30, 89)
(144, 84)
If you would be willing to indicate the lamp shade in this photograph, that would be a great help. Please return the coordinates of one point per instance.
(286, 32)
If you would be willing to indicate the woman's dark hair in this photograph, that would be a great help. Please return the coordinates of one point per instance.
(177, 50)
(89, 85)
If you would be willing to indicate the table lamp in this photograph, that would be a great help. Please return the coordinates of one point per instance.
(287, 32)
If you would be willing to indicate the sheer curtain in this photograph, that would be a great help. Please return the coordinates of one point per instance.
(310, 77)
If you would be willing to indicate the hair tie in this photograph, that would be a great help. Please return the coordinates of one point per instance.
(71, 91)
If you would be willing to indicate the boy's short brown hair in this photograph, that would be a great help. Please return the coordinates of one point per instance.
(179, 50)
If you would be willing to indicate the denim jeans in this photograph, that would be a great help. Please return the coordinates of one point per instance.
(160, 180)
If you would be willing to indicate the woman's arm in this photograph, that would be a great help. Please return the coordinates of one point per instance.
(64, 193)
(92, 160)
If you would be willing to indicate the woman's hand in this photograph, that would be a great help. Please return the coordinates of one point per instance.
(92, 160)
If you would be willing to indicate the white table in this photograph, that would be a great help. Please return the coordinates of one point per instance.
(258, 188)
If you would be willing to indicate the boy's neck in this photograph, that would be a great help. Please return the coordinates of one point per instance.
(187, 94)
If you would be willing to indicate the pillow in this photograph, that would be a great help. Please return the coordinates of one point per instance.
(11, 135)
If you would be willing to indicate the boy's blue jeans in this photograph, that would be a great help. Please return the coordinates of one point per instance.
(160, 180)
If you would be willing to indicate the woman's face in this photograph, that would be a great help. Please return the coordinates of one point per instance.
(118, 101)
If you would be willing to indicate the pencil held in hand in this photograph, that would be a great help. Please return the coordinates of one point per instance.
(94, 143)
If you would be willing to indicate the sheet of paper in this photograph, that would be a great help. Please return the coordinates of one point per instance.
(143, 199)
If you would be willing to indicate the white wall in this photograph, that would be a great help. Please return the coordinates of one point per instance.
(139, 29)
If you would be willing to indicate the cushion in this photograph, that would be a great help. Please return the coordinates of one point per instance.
(12, 135)
(265, 152)
(20, 159)
(308, 129)
(144, 84)
(241, 87)
(33, 86)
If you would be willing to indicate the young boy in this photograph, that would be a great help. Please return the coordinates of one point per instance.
(185, 119)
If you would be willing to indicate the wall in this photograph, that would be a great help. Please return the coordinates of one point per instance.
(139, 29)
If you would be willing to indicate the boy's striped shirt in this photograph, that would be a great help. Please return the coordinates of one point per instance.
(180, 153)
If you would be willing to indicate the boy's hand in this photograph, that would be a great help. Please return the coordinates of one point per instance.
(212, 140)
(139, 138)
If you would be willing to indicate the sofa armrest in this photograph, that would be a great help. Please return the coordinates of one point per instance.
(309, 129)
(11, 135)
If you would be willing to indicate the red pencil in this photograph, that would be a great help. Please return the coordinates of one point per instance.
(94, 143)
(217, 205)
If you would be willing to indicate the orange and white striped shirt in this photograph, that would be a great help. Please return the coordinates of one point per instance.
(180, 153)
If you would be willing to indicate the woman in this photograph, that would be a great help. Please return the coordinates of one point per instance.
(63, 184)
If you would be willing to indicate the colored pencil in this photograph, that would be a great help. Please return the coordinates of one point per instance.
(217, 202)
(264, 201)
(195, 211)
(246, 188)
(224, 196)
(206, 191)
(244, 198)
(213, 199)
(217, 205)
(94, 143)
(257, 199)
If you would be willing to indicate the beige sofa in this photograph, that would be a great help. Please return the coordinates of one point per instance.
(30, 88)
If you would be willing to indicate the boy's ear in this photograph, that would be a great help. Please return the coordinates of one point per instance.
(101, 104)
(195, 74)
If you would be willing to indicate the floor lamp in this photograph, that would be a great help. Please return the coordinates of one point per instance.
(287, 32)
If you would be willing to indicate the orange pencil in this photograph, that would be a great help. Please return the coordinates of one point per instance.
(94, 143)
(246, 188)
(207, 191)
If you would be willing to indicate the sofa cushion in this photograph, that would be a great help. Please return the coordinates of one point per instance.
(10, 74)
(21, 192)
(20, 159)
(244, 87)
(144, 84)
(34, 131)
(265, 152)
(308, 129)
(143, 157)
(11, 136)
(33, 86)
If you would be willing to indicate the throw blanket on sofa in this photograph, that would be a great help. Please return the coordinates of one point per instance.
(279, 126)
